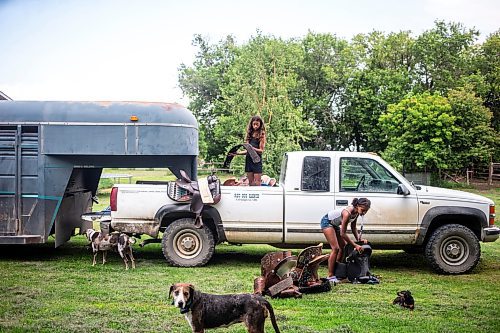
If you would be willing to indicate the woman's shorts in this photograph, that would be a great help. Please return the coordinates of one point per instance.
(250, 166)
(325, 223)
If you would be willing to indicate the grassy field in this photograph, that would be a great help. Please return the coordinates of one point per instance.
(57, 290)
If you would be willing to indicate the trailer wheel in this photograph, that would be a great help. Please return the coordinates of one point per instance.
(453, 249)
(184, 245)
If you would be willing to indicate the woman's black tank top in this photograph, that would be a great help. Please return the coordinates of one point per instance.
(255, 142)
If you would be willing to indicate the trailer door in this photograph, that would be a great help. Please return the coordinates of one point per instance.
(18, 177)
(8, 168)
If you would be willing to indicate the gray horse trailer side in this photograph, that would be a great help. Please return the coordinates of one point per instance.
(52, 155)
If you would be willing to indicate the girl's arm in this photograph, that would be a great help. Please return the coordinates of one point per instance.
(262, 144)
(343, 231)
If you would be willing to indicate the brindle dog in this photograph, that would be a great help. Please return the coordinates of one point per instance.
(203, 311)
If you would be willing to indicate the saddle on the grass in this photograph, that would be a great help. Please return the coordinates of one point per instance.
(284, 275)
(198, 193)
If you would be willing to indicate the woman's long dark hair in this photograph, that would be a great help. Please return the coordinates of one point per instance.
(261, 131)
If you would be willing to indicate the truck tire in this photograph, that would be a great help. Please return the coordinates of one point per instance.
(184, 245)
(453, 249)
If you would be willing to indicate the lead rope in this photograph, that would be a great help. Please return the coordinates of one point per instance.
(361, 228)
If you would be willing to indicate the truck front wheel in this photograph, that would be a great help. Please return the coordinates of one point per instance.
(184, 245)
(453, 249)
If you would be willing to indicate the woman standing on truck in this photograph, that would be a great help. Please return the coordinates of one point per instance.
(256, 137)
(334, 227)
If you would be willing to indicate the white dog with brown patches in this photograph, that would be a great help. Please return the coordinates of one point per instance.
(114, 241)
(204, 311)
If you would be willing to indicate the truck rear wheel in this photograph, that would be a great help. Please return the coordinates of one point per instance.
(453, 249)
(184, 245)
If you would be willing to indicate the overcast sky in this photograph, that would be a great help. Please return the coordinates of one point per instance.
(130, 50)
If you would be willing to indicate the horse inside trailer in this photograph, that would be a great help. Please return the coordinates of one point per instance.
(52, 155)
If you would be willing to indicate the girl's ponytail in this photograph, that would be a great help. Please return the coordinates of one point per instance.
(361, 202)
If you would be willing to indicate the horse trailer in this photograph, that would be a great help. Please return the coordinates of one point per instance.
(52, 155)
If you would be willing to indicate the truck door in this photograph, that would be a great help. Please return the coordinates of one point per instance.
(392, 218)
(306, 203)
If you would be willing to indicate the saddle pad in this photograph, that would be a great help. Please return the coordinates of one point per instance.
(206, 195)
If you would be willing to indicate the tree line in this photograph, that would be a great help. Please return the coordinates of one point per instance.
(425, 103)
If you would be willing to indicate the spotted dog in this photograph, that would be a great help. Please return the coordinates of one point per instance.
(114, 241)
(405, 299)
(204, 311)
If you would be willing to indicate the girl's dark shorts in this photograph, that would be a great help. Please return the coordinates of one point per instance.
(325, 223)
(250, 166)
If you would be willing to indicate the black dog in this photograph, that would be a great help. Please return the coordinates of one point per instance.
(405, 299)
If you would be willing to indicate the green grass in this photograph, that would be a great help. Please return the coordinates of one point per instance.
(57, 290)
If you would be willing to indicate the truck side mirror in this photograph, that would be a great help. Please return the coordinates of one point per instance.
(402, 190)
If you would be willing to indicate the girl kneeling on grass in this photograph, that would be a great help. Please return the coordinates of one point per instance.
(334, 227)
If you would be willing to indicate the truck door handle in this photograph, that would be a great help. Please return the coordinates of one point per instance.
(341, 202)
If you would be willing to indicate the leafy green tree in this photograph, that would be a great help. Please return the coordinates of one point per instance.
(262, 80)
(420, 131)
(328, 62)
(203, 81)
(324, 92)
(489, 66)
(443, 55)
(474, 141)
(382, 75)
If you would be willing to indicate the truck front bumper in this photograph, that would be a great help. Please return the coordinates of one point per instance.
(491, 234)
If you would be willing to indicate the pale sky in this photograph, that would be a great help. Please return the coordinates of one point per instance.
(98, 50)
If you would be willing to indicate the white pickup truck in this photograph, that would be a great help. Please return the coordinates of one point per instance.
(446, 225)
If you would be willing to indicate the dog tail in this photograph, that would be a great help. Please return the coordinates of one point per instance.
(271, 314)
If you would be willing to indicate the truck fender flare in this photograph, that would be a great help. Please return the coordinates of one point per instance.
(450, 211)
(183, 210)
(171, 209)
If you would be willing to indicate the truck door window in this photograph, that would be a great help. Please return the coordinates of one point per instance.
(365, 175)
(316, 174)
